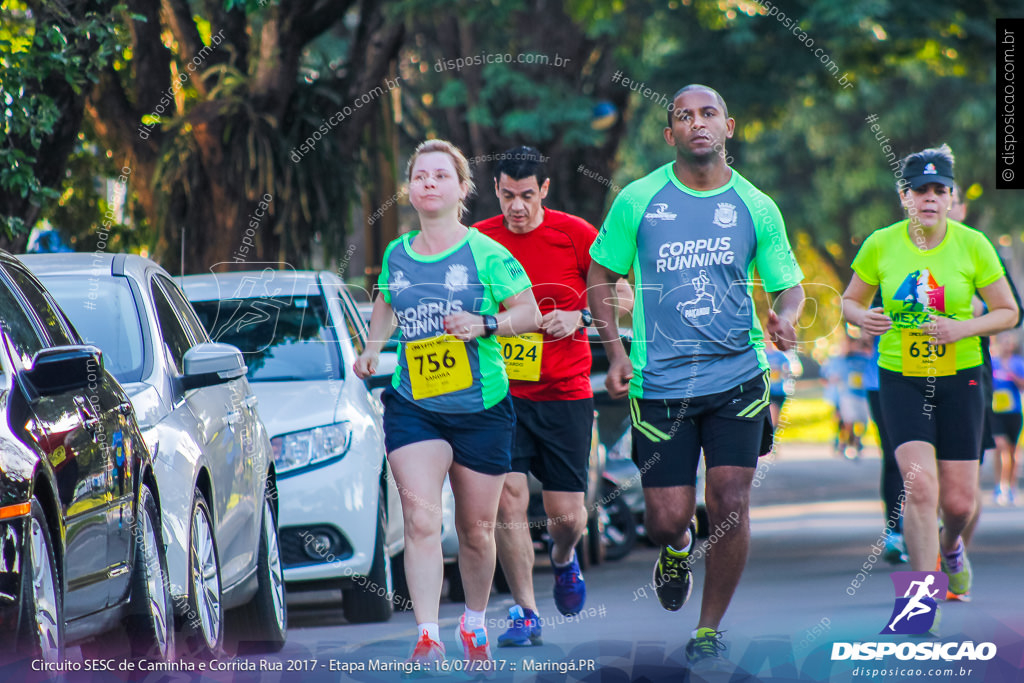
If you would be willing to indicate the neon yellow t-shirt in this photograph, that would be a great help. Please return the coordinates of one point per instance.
(917, 284)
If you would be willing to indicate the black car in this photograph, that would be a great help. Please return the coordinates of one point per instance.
(81, 550)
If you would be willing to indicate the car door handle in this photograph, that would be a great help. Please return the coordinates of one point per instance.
(89, 419)
(233, 417)
(251, 402)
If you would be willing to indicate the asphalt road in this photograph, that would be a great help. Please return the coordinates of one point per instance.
(814, 521)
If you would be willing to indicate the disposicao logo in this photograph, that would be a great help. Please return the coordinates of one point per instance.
(917, 595)
(913, 614)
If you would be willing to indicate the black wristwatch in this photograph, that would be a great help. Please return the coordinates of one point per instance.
(490, 325)
(586, 318)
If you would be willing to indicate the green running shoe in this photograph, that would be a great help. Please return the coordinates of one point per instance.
(673, 580)
(707, 645)
(959, 581)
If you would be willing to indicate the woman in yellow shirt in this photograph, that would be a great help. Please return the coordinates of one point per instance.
(928, 268)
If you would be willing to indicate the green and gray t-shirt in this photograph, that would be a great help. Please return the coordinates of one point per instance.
(695, 330)
(475, 275)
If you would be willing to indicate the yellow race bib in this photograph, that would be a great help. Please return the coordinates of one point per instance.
(522, 355)
(1002, 401)
(921, 359)
(439, 365)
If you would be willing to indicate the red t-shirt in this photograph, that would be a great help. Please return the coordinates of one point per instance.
(556, 256)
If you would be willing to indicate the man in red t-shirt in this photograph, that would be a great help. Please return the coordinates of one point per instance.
(549, 373)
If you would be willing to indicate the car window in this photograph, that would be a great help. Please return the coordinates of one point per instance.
(175, 338)
(354, 325)
(391, 345)
(23, 339)
(52, 320)
(281, 338)
(184, 308)
(355, 330)
(114, 327)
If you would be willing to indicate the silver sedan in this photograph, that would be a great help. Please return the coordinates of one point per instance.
(211, 452)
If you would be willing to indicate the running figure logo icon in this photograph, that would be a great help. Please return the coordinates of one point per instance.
(914, 612)
(696, 312)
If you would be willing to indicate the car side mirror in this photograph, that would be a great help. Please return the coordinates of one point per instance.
(211, 363)
(61, 368)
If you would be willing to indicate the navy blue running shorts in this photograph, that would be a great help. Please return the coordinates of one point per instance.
(481, 441)
(733, 427)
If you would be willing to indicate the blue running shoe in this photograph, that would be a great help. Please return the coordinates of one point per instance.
(570, 591)
(895, 549)
(524, 631)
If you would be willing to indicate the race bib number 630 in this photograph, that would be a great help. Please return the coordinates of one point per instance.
(921, 359)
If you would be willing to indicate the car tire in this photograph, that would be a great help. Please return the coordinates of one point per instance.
(261, 625)
(595, 538)
(582, 549)
(620, 532)
(149, 624)
(203, 623)
(41, 623)
(368, 599)
(401, 599)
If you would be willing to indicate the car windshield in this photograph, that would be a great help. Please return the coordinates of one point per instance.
(282, 338)
(103, 311)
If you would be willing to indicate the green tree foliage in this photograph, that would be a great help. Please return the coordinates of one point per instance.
(50, 55)
(802, 77)
(212, 104)
(490, 76)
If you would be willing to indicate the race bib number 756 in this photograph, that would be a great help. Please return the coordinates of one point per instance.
(439, 365)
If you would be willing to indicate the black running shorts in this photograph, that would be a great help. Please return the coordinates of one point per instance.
(733, 427)
(947, 412)
(1007, 425)
(553, 441)
(987, 441)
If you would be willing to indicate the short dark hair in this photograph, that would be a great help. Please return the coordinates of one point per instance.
(521, 162)
(696, 86)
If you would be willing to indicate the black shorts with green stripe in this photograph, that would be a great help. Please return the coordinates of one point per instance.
(732, 427)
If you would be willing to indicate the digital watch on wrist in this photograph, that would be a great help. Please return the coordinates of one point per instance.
(586, 318)
(490, 325)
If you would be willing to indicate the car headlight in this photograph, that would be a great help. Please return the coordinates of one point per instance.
(311, 447)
